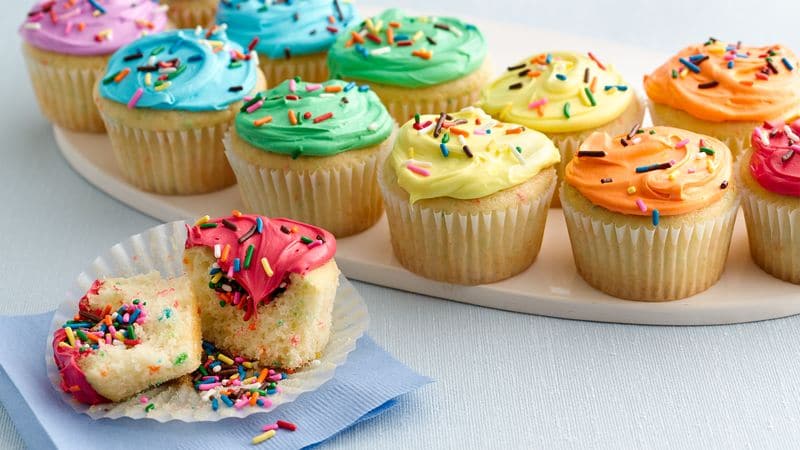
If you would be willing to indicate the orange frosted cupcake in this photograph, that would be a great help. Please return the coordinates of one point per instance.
(725, 90)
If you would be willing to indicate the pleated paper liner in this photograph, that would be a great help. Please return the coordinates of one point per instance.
(649, 263)
(161, 248)
(63, 88)
(312, 68)
(191, 13)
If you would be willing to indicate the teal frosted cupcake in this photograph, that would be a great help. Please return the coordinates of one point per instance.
(292, 38)
(414, 64)
(310, 152)
(167, 100)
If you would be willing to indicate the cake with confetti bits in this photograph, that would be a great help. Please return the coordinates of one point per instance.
(311, 151)
(167, 101)
(566, 95)
(725, 90)
(66, 45)
(292, 38)
(467, 196)
(414, 63)
(769, 180)
(129, 334)
(191, 13)
(650, 213)
(265, 287)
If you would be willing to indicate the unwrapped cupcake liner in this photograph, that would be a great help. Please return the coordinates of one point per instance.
(342, 200)
(650, 263)
(313, 68)
(172, 162)
(774, 235)
(65, 94)
(161, 248)
(466, 249)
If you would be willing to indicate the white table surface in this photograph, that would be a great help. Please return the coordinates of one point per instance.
(504, 380)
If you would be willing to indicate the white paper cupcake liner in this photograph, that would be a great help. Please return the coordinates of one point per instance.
(177, 162)
(65, 95)
(650, 263)
(161, 248)
(313, 68)
(403, 109)
(466, 249)
(342, 200)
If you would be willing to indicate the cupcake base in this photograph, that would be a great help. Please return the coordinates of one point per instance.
(627, 257)
(191, 13)
(312, 68)
(773, 226)
(63, 86)
(338, 193)
(468, 242)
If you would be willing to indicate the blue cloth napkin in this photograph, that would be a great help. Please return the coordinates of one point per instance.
(364, 387)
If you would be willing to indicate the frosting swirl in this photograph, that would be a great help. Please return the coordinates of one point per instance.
(315, 119)
(467, 155)
(287, 28)
(775, 163)
(187, 70)
(558, 92)
(86, 28)
(277, 248)
(665, 169)
(399, 50)
(720, 82)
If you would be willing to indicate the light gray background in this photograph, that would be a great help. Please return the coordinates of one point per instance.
(504, 380)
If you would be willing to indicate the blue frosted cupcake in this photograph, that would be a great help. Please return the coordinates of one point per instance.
(167, 101)
(292, 38)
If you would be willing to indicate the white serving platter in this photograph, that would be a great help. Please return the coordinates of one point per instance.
(550, 287)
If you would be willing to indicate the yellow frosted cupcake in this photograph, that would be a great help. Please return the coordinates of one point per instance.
(769, 178)
(567, 96)
(414, 63)
(725, 90)
(467, 196)
(650, 214)
(191, 13)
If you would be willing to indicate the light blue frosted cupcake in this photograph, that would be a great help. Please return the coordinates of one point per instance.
(167, 101)
(292, 38)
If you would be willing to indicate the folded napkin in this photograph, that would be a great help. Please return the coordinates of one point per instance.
(365, 386)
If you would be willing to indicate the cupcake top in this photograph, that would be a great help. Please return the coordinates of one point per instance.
(467, 155)
(283, 29)
(775, 163)
(558, 92)
(395, 49)
(720, 82)
(90, 27)
(659, 171)
(187, 70)
(314, 119)
(256, 254)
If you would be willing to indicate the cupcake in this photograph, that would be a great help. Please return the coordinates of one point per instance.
(650, 214)
(725, 90)
(167, 101)
(566, 95)
(291, 38)
(265, 287)
(414, 63)
(67, 44)
(129, 334)
(310, 151)
(467, 196)
(769, 179)
(191, 13)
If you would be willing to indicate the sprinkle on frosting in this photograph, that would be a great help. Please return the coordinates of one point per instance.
(314, 119)
(253, 267)
(90, 27)
(558, 92)
(467, 155)
(775, 163)
(187, 70)
(285, 28)
(653, 172)
(395, 49)
(718, 82)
